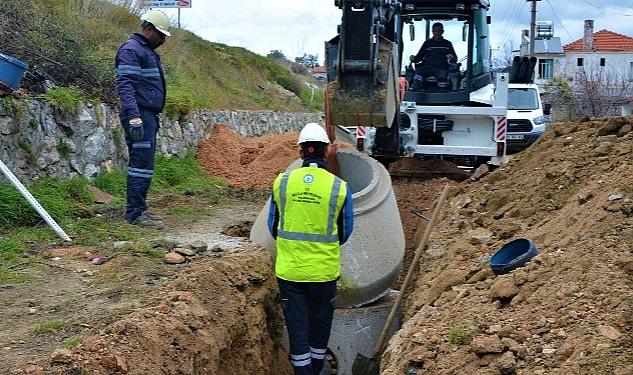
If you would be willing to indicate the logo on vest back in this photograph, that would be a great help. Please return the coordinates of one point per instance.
(308, 179)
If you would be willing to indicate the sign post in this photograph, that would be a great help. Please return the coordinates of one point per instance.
(170, 4)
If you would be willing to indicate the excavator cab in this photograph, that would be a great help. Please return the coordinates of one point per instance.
(465, 26)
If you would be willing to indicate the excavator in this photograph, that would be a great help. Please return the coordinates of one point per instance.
(460, 117)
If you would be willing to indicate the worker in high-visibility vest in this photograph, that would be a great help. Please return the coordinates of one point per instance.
(310, 216)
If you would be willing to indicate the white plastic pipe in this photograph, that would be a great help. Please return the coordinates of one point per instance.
(34, 203)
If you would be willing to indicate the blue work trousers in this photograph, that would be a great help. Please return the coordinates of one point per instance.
(141, 165)
(308, 309)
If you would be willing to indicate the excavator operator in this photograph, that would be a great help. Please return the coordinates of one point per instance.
(433, 58)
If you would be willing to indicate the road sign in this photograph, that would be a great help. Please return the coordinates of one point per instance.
(169, 4)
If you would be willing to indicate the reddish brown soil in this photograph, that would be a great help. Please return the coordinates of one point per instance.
(247, 163)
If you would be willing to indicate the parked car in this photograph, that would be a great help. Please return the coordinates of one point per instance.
(527, 117)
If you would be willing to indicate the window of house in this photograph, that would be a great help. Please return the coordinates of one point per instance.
(580, 61)
(602, 61)
(546, 68)
(631, 71)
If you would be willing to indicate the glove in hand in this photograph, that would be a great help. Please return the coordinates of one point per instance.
(136, 131)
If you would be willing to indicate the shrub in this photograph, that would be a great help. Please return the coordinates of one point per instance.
(64, 99)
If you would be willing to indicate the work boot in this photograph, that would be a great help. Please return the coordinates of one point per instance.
(152, 216)
(143, 220)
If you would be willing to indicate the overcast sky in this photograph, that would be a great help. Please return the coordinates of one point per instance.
(301, 26)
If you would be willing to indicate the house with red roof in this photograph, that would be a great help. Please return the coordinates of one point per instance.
(603, 51)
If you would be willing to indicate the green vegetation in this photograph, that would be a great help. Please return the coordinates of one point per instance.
(31, 158)
(47, 327)
(72, 342)
(458, 334)
(184, 176)
(73, 45)
(70, 203)
(64, 148)
(65, 99)
(188, 213)
(141, 248)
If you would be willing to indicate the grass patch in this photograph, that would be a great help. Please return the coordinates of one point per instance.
(187, 213)
(142, 248)
(96, 231)
(31, 158)
(64, 99)
(64, 148)
(72, 342)
(458, 335)
(184, 176)
(61, 199)
(112, 183)
(47, 327)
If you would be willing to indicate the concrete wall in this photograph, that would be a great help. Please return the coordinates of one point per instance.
(37, 141)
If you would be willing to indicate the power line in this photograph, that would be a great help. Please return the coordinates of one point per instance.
(607, 11)
(559, 21)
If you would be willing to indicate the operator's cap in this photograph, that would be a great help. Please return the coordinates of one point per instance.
(159, 20)
(313, 132)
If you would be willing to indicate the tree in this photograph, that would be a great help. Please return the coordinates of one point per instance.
(276, 55)
(309, 61)
(598, 93)
(502, 58)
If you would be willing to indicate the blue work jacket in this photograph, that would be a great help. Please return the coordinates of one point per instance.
(140, 80)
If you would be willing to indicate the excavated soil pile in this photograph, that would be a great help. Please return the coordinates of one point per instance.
(247, 162)
(569, 310)
(218, 317)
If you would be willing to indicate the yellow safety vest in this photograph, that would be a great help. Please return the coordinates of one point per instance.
(309, 201)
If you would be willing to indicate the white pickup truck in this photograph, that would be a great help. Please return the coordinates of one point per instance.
(527, 118)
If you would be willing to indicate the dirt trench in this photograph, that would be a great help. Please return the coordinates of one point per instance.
(566, 312)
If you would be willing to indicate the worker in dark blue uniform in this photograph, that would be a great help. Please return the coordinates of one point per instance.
(310, 216)
(141, 87)
(433, 58)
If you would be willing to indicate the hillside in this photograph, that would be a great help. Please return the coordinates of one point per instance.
(73, 44)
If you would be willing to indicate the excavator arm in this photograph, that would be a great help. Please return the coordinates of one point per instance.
(363, 63)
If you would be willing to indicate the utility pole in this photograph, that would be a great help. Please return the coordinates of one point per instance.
(532, 26)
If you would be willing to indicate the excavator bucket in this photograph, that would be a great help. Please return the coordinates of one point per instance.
(369, 96)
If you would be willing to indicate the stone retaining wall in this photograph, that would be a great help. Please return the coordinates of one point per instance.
(37, 141)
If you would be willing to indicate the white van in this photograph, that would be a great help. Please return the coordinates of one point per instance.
(526, 116)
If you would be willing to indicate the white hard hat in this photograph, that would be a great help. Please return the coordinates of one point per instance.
(159, 20)
(313, 132)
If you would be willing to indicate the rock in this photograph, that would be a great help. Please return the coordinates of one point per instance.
(615, 197)
(198, 246)
(486, 344)
(174, 258)
(481, 171)
(624, 130)
(479, 236)
(186, 252)
(603, 149)
(609, 332)
(33, 370)
(100, 197)
(483, 274)
(503, 287)
(621, 149)
(61, 356)
(487, 359)
(612, 126)
(217, 248)
(118, 244)
(506, 363)
(548, 351)
(584, 196)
